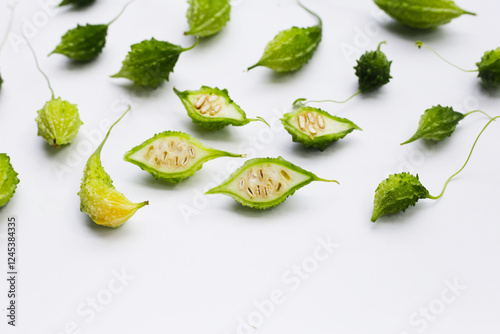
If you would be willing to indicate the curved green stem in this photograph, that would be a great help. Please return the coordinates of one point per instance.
(479, 111)
(380, 44)
(324, 180)
(259, 119)
(99, 149)
(192, 47)
(420, 44)
(466, 162)
(38, 66)
(320, 22)
(9, 26)
(121, 12)
(303, 102)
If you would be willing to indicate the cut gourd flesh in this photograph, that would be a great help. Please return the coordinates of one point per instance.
(266, 182)
(173, 156)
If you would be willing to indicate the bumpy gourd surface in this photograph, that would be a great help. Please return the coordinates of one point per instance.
(373, 70)
(397, 193)
(313, 127)
(84, 43)
(421, 14)
(436, 124)
(58, 122)
(76, 2)
(265, 183)
(212, 108)
(489, 68)
(150, 62)
(293, 48)
(8, 180)
(207, 17)
(99, 199)
(173, 156)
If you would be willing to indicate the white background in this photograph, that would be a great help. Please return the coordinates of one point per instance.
(203, 273)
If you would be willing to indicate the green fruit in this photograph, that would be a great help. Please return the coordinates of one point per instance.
(489, 68)
(173, 156)
(264, 183)
(422, 14)
(313, 127)
(373, 70)
(8, 180)
(212, 108)
(58, 122)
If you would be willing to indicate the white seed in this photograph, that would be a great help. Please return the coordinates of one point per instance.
(185, 161)
(242, 183)
(192, 152)
(205, 108)
(310, 117)
(171, 146)
(217, 108)
(165, 156)
(177, 161)
(249, 173)
(321, 122)
(261, 174)
(278, 187)
(270, 183)
(285, 174)
(302, 122)
(180, 147)
(213, 98)
(157, 162)
(265, 192)
(250, 192)
(312, 129)
(258, 190)
(200, 102)
(212, 112)
(148, 153)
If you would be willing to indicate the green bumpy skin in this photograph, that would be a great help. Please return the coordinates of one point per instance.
(8, 180)
(173, 156)
(212, 108)
(436, 124)
(489, 68)
(373, 70)
(264, 183)
(98, 197)
(84, 43)
(78, 3)
(397, 193)
(150, 62)
(207, 17)
(313, 127)
(58, 122)
(291, 49)
(421, 14)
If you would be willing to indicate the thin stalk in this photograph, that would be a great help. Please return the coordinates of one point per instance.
(466, 162)
(479, 111)
(121, 12)
(39, 68)
(301, 102)
(420, 44)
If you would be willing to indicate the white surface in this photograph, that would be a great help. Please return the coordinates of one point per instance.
(201, 276)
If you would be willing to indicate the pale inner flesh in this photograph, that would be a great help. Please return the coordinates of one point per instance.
(265, 182)
(315, 124)
(170, 154)
(211, 105)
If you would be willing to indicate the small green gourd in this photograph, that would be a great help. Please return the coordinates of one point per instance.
(212, 108)
(313, 127)
(85, 43)
(207, 17)
(439, 123)
(291, 49)
(264, 183)
(58, 121)
(76, 3)
(99, 199)
(173, 156)
(8, 180)
(422, 14)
